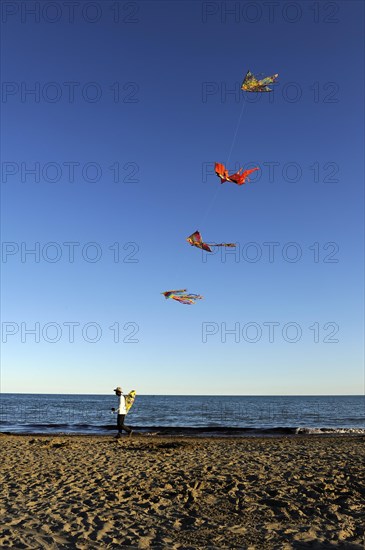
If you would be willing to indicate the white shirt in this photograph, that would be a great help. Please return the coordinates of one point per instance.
(121, 405)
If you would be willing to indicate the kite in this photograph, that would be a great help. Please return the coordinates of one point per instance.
(252, 84)
(195, 239)
(239, 177)
(129, 400)
(182, 297)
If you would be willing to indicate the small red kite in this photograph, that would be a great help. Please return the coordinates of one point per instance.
(195, 239)
(239, 177)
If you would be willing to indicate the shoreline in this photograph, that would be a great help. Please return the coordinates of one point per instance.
(188, 431)
(87, 491)
(155, 438)
(183, 437)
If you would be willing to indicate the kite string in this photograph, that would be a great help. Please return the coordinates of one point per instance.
(229, 156)
(235, 134)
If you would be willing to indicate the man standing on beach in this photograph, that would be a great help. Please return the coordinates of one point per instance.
(122, 411)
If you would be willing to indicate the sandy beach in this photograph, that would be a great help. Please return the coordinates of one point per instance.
(173, 492)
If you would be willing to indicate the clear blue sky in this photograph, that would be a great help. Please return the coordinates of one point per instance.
(173, 63)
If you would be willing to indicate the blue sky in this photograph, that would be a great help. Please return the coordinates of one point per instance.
(149, 95)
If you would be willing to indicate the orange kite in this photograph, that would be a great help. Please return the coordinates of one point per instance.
(239, 177)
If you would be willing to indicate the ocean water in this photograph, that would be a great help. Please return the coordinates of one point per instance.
(187, 415)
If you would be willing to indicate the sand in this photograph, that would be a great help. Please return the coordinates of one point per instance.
(182, 493)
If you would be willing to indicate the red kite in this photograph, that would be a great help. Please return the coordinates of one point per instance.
(239, 177)
(195, 239)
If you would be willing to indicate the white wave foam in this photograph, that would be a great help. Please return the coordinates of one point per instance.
(314, 431)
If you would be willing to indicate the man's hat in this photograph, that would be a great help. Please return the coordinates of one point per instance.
(118, 389)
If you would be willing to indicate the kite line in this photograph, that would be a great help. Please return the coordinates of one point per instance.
(235, 134)
(213, 199)
(249, 84)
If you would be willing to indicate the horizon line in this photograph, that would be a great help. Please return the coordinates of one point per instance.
(197, 394)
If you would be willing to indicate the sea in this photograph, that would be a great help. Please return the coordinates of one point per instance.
(186, 415)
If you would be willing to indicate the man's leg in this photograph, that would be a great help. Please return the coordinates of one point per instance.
(121, 425)
(126, 428)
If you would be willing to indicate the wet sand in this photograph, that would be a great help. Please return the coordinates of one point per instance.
(182, 493)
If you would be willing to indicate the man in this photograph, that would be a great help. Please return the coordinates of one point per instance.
(122, 411)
